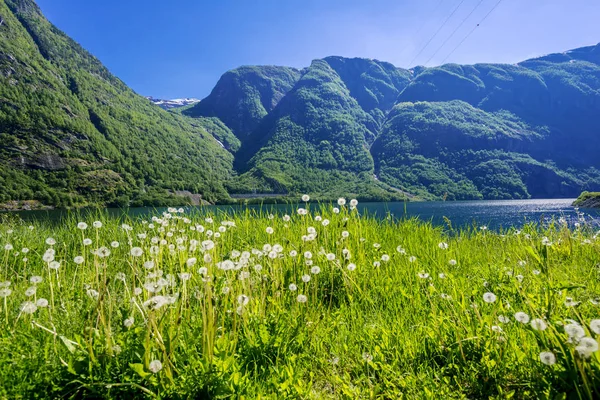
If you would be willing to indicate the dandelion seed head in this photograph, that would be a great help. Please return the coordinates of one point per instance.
(521, 317)
(538, 324)
(548, 358)
(574, 330)
(28, 307)
(489, 297)
(242, 299)
(155, 366)
(41, 302)
(586, 346)
(595, 326)
(301, 298)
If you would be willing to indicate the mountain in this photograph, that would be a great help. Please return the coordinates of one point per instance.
(73, 134)
(174, 103)
(351, 125)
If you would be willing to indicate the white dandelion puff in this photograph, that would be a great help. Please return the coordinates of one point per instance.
(575, 331)
(539, 324)
(155, 366)
(489, 297)
(595, 326)
(548, 358)
(301, 298)
(521, 317)
(55, 265)
(242, 299)
(41, 302)
(28, 307)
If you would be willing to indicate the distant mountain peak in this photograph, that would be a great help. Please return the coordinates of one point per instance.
(173, 103)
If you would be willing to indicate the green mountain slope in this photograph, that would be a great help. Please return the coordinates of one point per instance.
(71, 133)
(245, 95)
(454, 131)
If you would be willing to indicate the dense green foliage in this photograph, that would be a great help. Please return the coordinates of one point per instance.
(73, 134)
(245, 95)
(455, 132)
(319, 305)
(588, 199)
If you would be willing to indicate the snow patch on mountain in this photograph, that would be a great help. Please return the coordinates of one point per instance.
(173, 103)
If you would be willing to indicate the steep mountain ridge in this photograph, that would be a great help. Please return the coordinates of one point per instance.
(73, 134)
(453, 131)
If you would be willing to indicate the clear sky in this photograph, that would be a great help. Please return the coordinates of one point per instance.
(180, 48)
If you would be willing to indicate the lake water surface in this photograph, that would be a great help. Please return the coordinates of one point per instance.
(491, 213)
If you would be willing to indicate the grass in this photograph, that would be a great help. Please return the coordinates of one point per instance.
(589, 199)
(409, 321)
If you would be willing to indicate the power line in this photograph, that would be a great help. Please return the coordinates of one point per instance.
(455, 30)
(436, 33)
(422, 26)
(472, 30)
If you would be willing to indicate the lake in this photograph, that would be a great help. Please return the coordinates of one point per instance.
(491, 213)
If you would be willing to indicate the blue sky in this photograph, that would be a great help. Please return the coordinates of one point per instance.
(180, 48)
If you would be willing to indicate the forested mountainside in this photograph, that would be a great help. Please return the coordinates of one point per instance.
(455, 131)
(73, 134)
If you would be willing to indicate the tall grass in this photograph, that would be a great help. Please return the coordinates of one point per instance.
(322, 305)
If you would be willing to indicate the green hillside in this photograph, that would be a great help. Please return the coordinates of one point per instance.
(457, 132)
(73, 134)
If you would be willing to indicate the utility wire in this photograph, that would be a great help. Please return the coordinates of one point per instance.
(472, 30)
(436, 33)
(454, 32)
(422, 26)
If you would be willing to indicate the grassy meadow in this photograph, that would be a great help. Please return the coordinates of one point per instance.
(321, 304)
